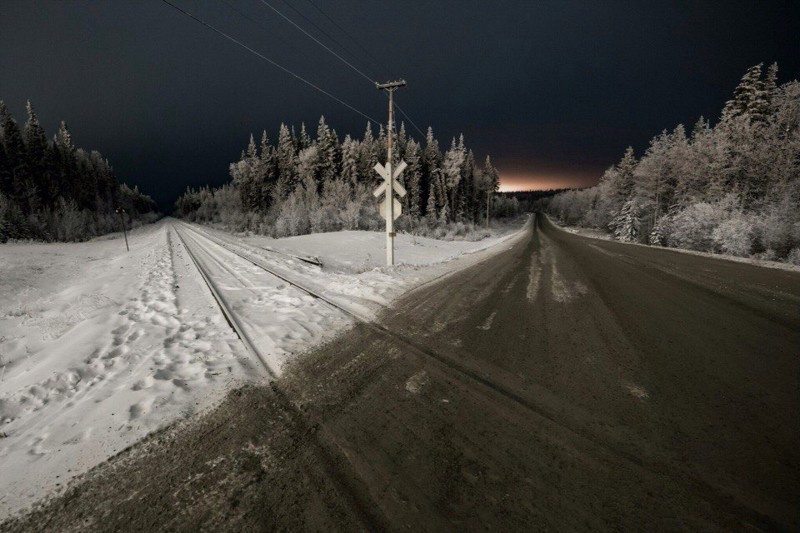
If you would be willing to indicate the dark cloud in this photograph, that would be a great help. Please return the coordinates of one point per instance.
(554, 91)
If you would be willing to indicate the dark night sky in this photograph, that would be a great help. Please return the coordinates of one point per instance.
(554, 91)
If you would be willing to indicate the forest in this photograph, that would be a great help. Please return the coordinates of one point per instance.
(302, 185)
(731, 188)
(53, 191)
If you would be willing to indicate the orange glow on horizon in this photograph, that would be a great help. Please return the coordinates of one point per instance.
(532, 182)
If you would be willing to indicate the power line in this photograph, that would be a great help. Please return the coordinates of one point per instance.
(347, 49)
(290, 21)
(335, 54)
(353, 39)
(273, 63)
(409, 119)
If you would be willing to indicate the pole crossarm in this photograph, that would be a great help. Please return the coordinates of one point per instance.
(390, 85)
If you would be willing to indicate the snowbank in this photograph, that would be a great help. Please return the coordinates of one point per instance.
(97, 350)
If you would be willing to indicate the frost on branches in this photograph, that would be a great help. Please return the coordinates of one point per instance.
(731, 188)
(302, 185)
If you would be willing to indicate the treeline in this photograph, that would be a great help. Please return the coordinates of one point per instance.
(302, 185)
(53, 191)
(730, 188)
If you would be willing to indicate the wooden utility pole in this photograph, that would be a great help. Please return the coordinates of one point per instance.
(391, 208)
(121, 212)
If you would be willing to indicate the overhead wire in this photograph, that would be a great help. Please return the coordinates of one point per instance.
(270, 61)
(290, 21)
(409, 119)
(376, 61)
(402, 112)
(359, 59)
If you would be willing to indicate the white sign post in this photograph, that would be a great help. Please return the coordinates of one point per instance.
(390, 208)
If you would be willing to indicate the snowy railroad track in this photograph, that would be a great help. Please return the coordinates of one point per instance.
(233, 322)
(283, 277)
(394, 337)
(274, 316)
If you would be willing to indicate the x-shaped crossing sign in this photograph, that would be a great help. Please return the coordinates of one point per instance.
(384, 173)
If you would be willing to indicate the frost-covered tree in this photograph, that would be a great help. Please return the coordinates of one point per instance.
(413, 175)
(287, 176)
(56, 191)
(627, 224)
(733, 187)
(746, 95)
(326, 167)
(430, 208)
(452, 167)
(368, 156)
(350, 160)
(273, 185)
(304, 139)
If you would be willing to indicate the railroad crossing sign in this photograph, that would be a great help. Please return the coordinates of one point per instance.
(397, 209)
(383, 171)
(390, 208)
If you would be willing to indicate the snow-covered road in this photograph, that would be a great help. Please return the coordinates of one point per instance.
(99, 347)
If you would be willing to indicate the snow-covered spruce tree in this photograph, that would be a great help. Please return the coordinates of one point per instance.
(400, 144)
(327, 163)
(431, 216)
(414, 180)
(37, 152)
(350, 156)
(468, 192)
(19, 188)
(431, 164)
(381, 150)
(51, 185)
(369, 152)
(620, 184)
(304, 139)
(746, 95)
(449, 187)
(489, 185)
(287, 175)
(626, 226)
(452, 167)
(658, 235)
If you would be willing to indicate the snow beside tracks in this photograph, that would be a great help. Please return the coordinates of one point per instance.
(361, 251)
(99, 347)
(353, 270)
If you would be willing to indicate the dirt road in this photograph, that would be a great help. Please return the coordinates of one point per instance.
(564, 384)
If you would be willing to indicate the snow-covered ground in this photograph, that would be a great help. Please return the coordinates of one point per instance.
(99, 347)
